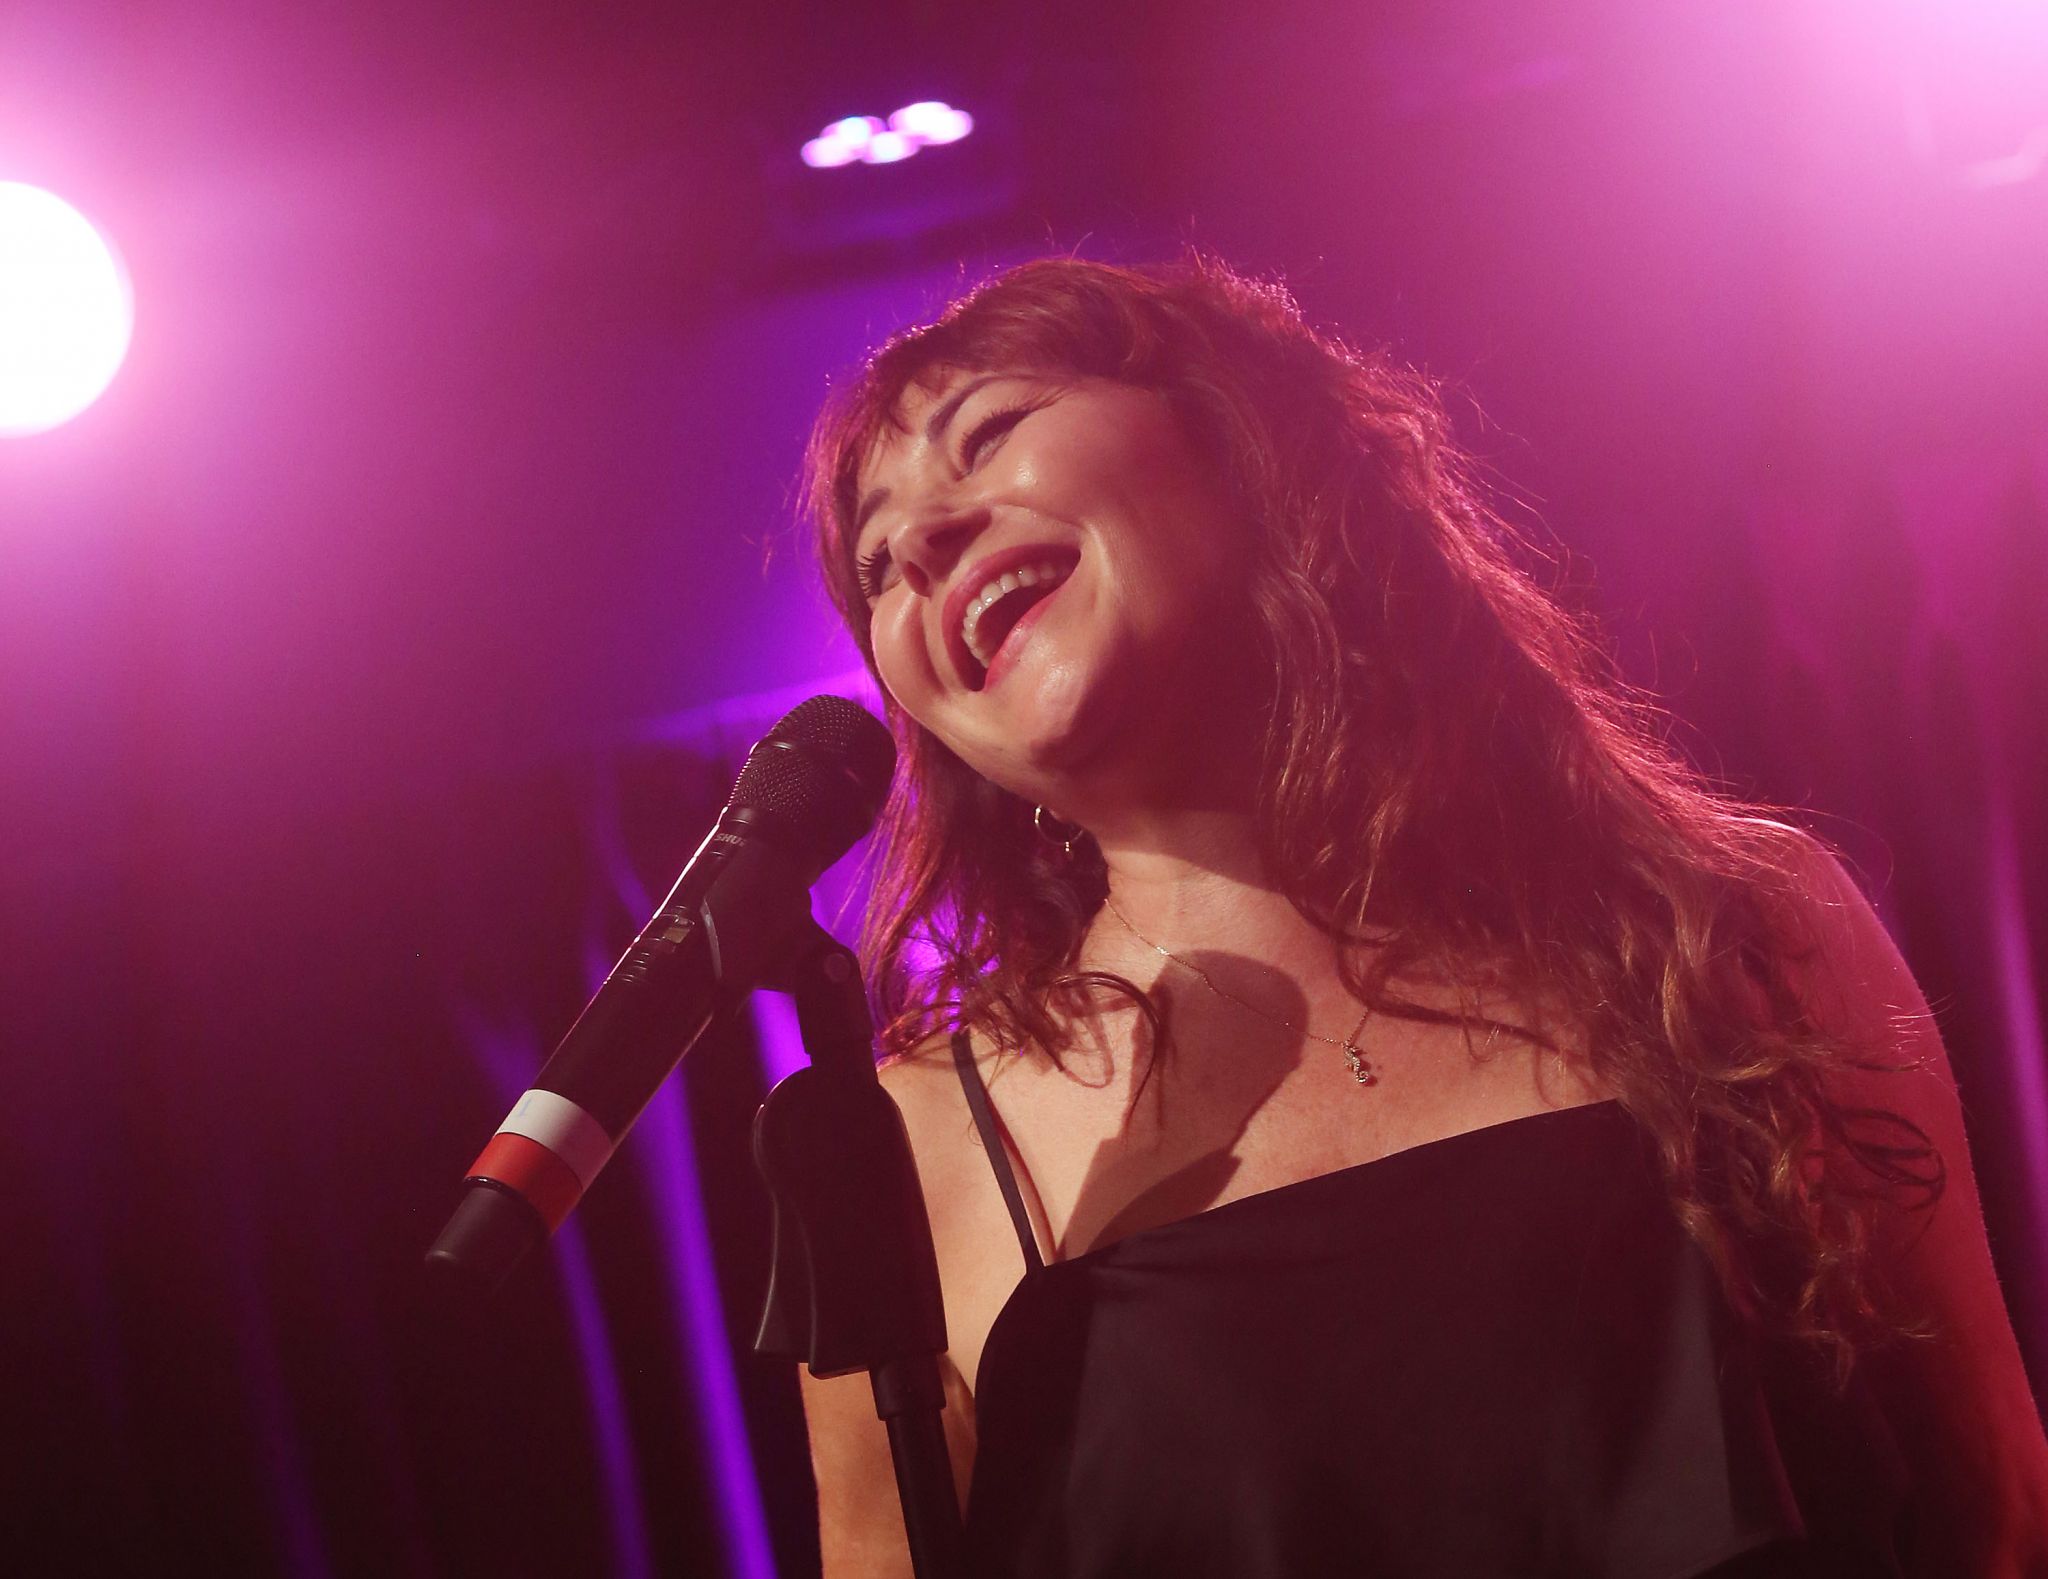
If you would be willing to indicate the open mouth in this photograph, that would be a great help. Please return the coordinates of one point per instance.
(996, 609)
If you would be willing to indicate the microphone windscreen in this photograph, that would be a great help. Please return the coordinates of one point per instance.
(823, 770)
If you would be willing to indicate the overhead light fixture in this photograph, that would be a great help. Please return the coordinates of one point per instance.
(867, 139)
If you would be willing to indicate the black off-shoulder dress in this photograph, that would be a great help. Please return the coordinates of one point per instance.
(1492, 1355)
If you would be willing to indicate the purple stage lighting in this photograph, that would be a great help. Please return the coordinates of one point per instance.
(888, 147)
(929, 123)
(65, 311)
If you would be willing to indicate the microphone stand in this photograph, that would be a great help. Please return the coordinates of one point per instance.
(854, 1281)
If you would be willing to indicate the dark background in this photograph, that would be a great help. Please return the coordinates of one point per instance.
(380, 645)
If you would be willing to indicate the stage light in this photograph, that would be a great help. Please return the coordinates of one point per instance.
(888, 147)
(929, 123)
(65, 311)
(824, 153)
(932, 122)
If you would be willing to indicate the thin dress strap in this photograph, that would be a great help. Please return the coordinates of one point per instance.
(998, 1154)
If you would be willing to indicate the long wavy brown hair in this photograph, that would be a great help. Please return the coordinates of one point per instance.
(1456, 782)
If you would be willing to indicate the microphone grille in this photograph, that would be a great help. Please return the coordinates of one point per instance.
(826, 764)
(847, 730)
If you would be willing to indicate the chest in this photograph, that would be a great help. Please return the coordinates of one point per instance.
(1305, 1381)
(1105, 1149)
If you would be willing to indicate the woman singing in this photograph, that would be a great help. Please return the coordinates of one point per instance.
(1380, 1111)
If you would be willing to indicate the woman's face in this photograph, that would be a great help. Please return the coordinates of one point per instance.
(1054, 581)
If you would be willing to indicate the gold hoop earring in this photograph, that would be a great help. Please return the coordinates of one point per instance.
(1056, 832)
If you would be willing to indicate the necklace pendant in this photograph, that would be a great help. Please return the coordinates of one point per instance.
(1361, 1071)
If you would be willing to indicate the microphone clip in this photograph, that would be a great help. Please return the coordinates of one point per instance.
(854, 1281)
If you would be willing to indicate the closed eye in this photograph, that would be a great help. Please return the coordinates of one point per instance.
(870, 570)
(988, 427)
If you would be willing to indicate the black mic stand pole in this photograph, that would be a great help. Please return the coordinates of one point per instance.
(854, 1284)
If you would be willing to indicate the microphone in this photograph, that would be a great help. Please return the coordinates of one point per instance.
(810, 788)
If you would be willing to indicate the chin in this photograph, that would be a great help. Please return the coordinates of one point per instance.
(1055, 730)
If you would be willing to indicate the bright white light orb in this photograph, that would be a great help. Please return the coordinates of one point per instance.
(926, 124)
(888, 147)
(66, 313)
(856, 131)
(932, 122)
(826, 153)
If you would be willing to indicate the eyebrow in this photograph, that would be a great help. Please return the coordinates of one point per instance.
(949, 408)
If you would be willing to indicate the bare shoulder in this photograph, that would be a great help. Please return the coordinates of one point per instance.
(952, 1163)
(1854, 982)
(1962, 1399)
(980, 1262)
(925, 1085)
(924, 1078)
(1857, 983)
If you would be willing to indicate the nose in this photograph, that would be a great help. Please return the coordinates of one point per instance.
(929, 545)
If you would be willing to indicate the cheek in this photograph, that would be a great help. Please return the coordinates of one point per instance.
(898, 642)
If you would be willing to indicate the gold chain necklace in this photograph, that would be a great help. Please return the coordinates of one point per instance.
(1361, 1070)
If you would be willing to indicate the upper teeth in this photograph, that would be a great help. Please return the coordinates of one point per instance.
(1023, 576)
